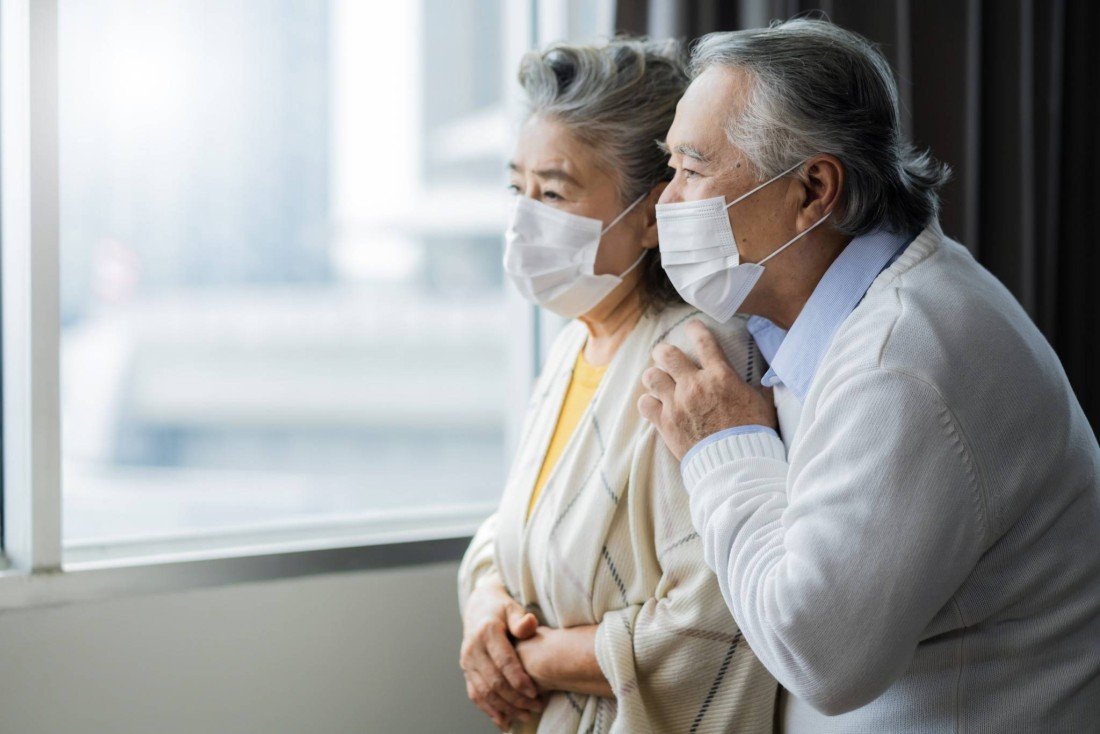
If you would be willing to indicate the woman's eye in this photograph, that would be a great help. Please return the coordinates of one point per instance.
(688, 173)
(552, 196)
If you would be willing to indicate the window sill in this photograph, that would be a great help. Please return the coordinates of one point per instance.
(93, 572)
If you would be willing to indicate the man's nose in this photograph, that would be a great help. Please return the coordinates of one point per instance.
(671, 194)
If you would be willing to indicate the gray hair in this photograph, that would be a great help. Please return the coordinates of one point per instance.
(619, 98)
(818, 88)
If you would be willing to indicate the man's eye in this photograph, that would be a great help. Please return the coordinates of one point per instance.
(550, 195)
(688, 173)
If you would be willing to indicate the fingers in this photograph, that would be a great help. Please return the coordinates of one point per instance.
(497, 718)
(673, 361)
(706, 346)
(488, 692)
(520, 689)
(496, 679)
(659, 383)
(505, 710)
(477, 659)
(650, 408)
(521, 624)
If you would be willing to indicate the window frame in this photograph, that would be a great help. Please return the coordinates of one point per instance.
(29, 285)
(34, 569)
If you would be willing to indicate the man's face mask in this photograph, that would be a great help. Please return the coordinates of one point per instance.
(699, 252)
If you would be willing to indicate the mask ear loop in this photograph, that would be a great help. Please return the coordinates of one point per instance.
(622, 214)
(636, 263)
(615, 221)
(796, 238)
(750, 192)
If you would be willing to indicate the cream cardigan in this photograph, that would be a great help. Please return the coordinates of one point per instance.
(610, 542)
(920, 551)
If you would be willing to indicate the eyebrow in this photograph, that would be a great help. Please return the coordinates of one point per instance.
(692, 152)
(684, 149)
(548, 173)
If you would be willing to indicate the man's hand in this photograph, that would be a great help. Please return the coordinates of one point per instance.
(495, 678)
(687, 403)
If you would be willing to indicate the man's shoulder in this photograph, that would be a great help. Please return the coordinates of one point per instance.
(933, 311)
(945, 320)
(953, 318)
(946, 327)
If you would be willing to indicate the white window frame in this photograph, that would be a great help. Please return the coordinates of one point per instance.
(33, 569)
(30, 298)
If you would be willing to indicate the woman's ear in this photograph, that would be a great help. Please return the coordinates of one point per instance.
(649, 235)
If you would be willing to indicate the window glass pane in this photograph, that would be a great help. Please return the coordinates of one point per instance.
(282, 296)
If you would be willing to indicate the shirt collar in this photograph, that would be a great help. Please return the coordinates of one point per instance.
(795, 355)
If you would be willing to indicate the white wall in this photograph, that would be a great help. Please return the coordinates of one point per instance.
(357, 652)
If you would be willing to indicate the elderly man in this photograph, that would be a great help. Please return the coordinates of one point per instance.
(907, 526)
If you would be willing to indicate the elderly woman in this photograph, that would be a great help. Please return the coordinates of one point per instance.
(586, 603)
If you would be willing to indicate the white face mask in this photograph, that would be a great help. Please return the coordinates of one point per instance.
(699, 253)
(549, 255)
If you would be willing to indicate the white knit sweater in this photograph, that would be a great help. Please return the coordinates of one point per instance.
(610, 542)
(921, 551)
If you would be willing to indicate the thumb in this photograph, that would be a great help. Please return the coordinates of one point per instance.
(521, 624)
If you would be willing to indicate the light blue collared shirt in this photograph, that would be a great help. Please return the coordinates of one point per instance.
(794, 355)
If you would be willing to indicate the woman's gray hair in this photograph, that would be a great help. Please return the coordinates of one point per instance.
(618, 98)
(817, 88)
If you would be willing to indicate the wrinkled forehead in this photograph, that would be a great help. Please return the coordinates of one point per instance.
(712, 99)
(549, 149)
(548, 144)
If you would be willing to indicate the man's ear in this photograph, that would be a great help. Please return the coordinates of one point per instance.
(649, 235)
(822, 180)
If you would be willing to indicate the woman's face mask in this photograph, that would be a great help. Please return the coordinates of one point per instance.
(550, 254)
(699, 253)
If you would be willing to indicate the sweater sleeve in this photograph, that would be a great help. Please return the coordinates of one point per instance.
(834, 571)
(677, 661)
(478, 560)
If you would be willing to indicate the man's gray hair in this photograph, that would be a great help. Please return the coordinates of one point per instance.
(817, 88)
(618, 97)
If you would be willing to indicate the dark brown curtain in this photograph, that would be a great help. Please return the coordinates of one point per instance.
(1005, 91)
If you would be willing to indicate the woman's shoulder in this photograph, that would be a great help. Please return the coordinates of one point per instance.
(675, 318)
(733, 336)
(566, 344)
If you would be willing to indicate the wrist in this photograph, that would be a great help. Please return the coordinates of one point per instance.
(485, 600)
(540, 660)
(545, 659)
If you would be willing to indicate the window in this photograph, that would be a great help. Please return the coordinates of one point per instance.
(282, 302)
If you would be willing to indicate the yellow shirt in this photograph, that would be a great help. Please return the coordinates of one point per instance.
(582, 386)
